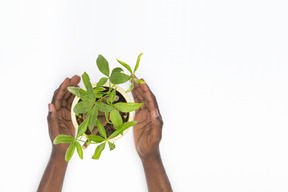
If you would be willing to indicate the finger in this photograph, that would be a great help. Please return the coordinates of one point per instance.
(139, 95)
(52, 119)
(154, 98)
(75, 80)
(60, 92)
(70, 101)
(67, 95)
(149, 97)
(136, 85)
(136, 96)
(157, 124)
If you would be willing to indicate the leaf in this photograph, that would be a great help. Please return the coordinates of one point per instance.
(96, 138)
(116, 118)
(117, 69)
(101, 129)
(83, 94)
(126, 66)
(103, 65)
(122, 128)
(139, 81)
(83, 106)
(106, 116)
(111, 146)
(112, 96)
(119, 78)
(70, 151)
(104, 107)
(127, 107)
(79, 149)
(98, 151)
(99, 89)
(63, 139)
(102, 81)
(82, 127)
(137, 62)
(92, 115)
(130, 88)
(87, 96)
(87, 83)
(74, 90)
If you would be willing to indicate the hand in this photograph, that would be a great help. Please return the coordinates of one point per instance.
(59, 117)
(148, 130)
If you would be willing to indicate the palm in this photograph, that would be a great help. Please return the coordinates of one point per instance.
(147, 132)
(61, 124)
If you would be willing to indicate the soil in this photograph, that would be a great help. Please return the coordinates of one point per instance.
(109, 127)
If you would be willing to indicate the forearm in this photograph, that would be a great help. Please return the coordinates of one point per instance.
(53, 177)
(157, 179)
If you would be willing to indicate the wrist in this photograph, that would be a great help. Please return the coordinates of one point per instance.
(152, 158)
(58, 155)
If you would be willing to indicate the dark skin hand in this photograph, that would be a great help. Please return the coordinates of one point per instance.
(147, 136)
(59, 122)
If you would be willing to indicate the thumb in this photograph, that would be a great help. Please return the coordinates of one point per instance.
(52, 117)
(156, 118)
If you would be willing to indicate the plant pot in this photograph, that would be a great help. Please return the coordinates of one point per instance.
(120, 91)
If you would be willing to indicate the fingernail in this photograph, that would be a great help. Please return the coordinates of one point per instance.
(155, 113)
(50, 108)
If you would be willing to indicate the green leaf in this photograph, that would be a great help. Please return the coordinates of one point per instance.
(87, 83)
(96, 138)
(126, 66)
(79, 149)
(83, 94)
(82, 127)
(87, 96)
(111, 146)
(106, 116)
(104, 107)
(101, 129)
(137, 62)
(127, 107)
(70, 151)
(83, 106)
(102, 81)
(74, 90)
(103, 65)
(92, 115)
(112, 96)
(122, 128)
(117, 69)
(130, 88)
(139, 81)
(63, 139)
(98, 151)
(99, 89)
(116, 118)
(119, 78)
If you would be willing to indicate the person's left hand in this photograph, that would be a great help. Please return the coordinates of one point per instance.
(59, 117)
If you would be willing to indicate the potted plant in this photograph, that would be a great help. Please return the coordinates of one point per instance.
(102, 112)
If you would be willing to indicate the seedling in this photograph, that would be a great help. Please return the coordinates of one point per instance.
(98, 102)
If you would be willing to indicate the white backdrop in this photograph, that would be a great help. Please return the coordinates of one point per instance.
(218, 70)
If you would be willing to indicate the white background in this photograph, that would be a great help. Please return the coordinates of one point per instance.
(218, 70)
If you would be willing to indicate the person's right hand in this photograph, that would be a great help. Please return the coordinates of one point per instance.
(148, 130)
